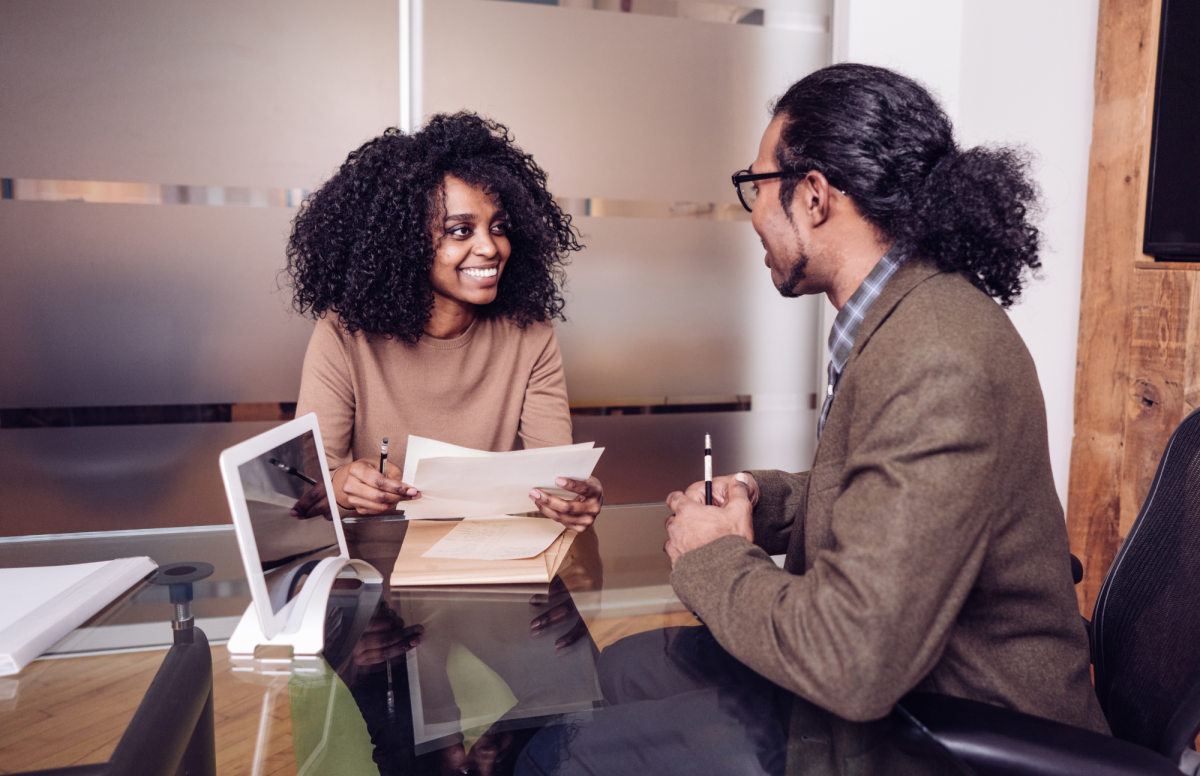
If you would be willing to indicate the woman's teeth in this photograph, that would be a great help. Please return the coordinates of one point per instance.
(482, 273)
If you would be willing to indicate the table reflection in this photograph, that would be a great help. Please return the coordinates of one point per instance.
(509, 680)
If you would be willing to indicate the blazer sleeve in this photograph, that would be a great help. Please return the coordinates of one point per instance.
(872, 615)
(780, 510)
(545, 414)
(327, 389)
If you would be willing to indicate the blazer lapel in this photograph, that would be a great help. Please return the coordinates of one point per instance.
(911, 274)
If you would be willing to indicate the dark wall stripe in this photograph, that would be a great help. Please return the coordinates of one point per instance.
(59, 417)
(62, 417)
(665, 409)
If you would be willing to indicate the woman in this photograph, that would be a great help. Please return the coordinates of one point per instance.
(433, 263)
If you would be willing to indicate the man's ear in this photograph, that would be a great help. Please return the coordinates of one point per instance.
(813, 194)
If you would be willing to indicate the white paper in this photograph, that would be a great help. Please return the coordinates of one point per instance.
(502, 538)
(478, 484)
(26, 590)
(421, 447)
(41, 605)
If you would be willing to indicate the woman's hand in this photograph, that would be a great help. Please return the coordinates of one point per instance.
(578, 513)
(360, 486)
(561, 607)
(314, 503)
(385, 638)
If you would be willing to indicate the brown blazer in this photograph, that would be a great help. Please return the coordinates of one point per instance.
(926, 549)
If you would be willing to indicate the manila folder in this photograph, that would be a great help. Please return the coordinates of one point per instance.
(412, 569)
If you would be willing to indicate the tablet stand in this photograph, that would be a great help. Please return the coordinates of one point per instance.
(305, 628)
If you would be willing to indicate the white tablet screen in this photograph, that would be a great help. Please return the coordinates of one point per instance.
(289, 513)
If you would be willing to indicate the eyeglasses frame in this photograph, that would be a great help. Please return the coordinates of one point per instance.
(745, 176)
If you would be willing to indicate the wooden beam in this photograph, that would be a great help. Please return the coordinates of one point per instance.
(1126, 50)
(1154, 406)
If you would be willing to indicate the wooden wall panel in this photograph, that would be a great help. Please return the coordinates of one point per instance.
(1124, 88)
(1191, 362)
(1158, 339)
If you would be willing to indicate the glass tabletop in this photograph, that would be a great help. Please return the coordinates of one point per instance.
(603, 670)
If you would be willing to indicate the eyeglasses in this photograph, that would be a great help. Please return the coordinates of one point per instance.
(747, 192)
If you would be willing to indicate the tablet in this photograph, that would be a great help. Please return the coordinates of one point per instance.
(278, 487)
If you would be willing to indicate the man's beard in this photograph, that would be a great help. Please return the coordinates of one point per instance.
(787, 287)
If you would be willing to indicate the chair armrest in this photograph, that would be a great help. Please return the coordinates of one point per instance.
(994, 741)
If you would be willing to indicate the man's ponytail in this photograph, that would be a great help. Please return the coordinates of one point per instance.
(975, 215)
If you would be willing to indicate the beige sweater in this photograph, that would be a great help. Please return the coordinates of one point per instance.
(482, 390)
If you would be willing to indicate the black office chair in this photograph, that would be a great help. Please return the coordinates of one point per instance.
(1145, 651)
(172, 732)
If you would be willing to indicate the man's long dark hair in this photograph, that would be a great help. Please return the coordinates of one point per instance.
(361, 246)
(884, 140)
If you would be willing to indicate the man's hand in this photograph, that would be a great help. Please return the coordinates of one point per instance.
(694, 525)
(578, 513)
(721, 484)
(362, 488)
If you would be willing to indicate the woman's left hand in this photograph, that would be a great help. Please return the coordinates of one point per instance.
(578, 513)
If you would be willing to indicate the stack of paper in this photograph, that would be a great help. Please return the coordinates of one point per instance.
(502, 550)
(460, 482)
(39, 606)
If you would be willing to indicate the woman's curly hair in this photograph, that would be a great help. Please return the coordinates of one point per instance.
(362, 247)
(884, 140)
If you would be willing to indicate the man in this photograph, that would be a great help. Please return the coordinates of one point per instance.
(926, 549)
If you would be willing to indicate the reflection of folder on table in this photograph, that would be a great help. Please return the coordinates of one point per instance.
(413, 568)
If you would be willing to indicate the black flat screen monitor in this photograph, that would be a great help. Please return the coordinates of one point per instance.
(1173, 197)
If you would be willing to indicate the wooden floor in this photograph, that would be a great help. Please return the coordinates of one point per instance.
(95, 697)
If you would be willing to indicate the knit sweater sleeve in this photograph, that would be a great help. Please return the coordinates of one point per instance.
(545, 414)
(326, 388)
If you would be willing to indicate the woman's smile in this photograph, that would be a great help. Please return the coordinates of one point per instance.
(482, 273)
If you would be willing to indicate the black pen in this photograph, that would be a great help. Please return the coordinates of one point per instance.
(292, 471)
(383, 457)
(708, 469)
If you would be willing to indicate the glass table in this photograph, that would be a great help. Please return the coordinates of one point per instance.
(504, 678)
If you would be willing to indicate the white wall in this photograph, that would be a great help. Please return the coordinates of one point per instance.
(1019, 71)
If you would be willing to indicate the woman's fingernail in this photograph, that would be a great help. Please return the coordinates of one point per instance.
(741, 478)
(535, 494)
(561, 482)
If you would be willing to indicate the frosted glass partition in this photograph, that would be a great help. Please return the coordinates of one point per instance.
(145, 305)
(135, 304)
(224, 111)
(253, 93)
(652, 109)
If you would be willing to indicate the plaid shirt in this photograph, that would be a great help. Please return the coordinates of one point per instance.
(846, 325)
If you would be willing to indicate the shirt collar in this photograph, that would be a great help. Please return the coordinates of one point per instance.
(849, 319)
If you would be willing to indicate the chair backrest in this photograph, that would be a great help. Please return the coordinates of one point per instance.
(1146, 624)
